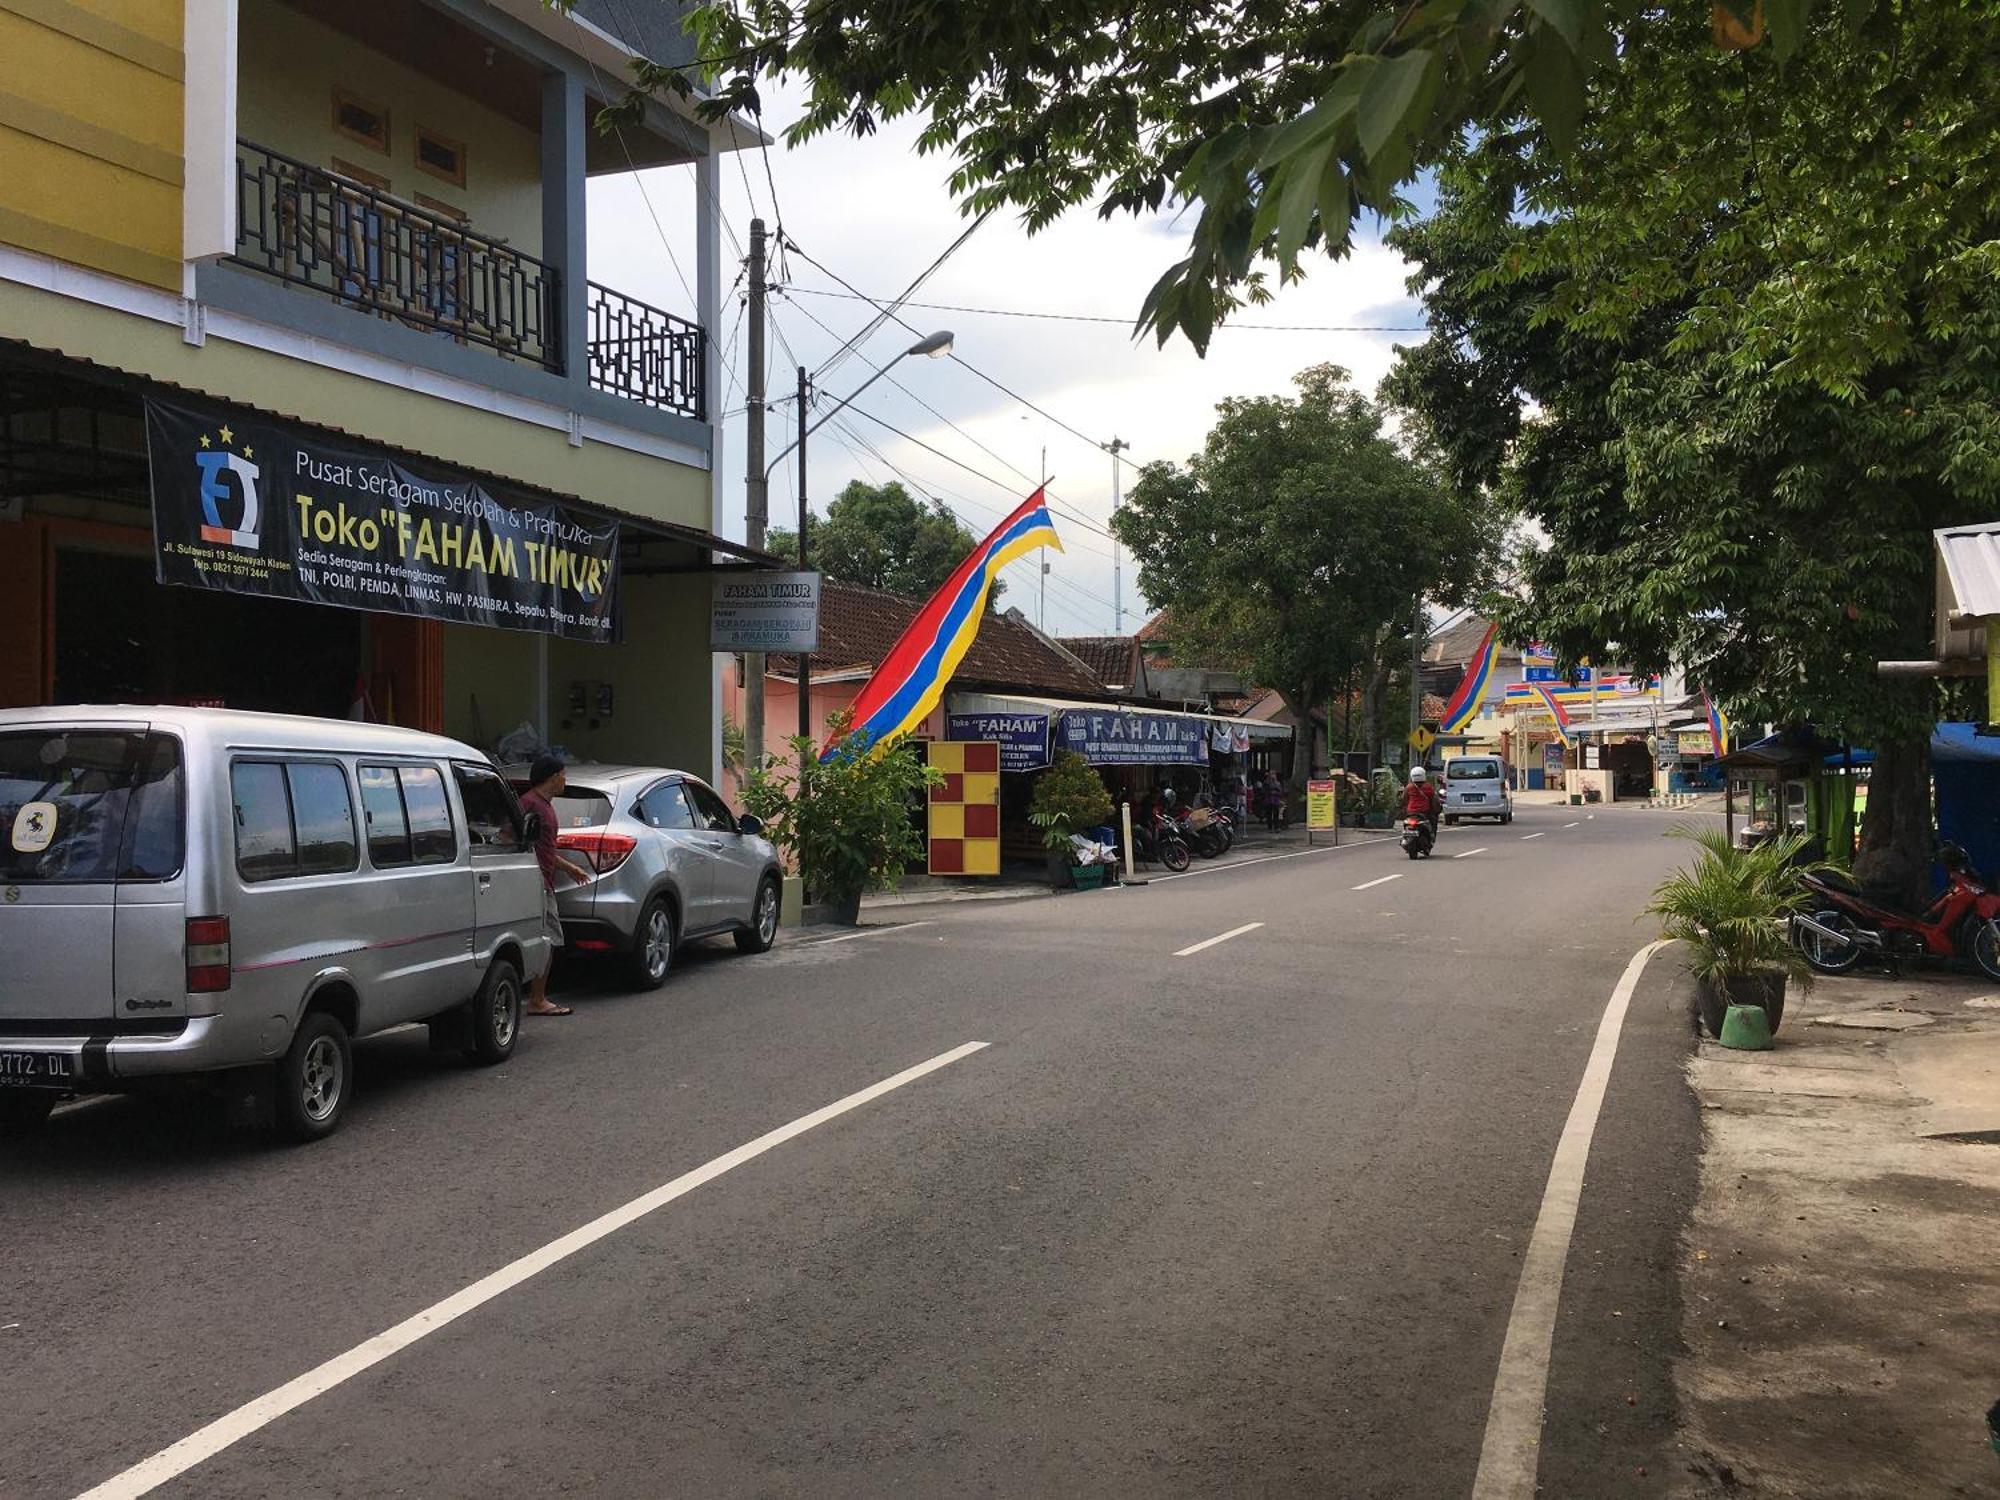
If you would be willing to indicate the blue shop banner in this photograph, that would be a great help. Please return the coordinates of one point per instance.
(1024, 738)
(1115, 737)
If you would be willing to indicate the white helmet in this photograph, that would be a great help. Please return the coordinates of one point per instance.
(1418, 773)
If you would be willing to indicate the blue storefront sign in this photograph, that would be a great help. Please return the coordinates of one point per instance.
(1024, 738)
(1114, 737)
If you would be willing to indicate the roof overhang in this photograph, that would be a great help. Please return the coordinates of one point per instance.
(1968, 589)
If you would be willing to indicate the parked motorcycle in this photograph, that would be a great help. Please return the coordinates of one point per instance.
(1160, 841)
(1847, 925)
(1419, 837)
(1206, 832)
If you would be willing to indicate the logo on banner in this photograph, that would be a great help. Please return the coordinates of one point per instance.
(220, 499)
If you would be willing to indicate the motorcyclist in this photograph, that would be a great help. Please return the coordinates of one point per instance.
(1421, 798)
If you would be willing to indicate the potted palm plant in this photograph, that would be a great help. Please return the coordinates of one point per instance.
(1069, 797)
(1729, 907)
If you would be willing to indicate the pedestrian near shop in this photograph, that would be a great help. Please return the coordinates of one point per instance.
(547, 777)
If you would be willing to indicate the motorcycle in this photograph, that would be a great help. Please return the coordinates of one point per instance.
(1419, 836)
(1207, 832)
(1159, 841)
(1846, 925)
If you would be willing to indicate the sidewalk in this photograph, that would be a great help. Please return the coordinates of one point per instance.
(1841, 1274)
(1021, 883)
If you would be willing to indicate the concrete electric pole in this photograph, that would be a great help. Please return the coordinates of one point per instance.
(1117, 556)
(756, 494)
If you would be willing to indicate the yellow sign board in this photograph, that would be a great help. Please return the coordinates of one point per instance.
(1320, 806)
(1421, 739)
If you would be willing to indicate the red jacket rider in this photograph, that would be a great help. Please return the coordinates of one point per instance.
(1421, 799)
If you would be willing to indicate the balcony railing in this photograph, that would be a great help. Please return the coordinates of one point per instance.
(643, 354)
(377, 253)
(369, 250)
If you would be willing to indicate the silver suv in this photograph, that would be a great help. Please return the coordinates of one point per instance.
(672, 863)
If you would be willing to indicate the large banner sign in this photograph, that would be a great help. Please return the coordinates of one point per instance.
(252, 506)
(1023, 738)
(1114, 737)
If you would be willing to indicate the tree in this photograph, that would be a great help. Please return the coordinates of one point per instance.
(1294, 545)
(884, 537)
(1739, 399)
(1280, 121)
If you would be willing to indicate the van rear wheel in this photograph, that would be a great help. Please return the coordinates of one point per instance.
(22, 1111)
(496, 1013)
(315, 1076)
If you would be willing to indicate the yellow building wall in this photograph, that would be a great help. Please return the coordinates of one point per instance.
(90, 134)
(290, 64)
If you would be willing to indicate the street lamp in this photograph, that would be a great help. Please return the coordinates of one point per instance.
(931, 347)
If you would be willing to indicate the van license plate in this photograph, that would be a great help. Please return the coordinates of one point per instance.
(1475, 796)
(36, 1070)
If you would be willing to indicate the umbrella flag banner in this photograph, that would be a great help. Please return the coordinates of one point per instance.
(1464, 705)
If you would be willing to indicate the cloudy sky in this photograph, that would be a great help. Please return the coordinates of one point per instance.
(876, 214)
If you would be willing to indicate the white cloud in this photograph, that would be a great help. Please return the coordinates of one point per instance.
(876, 213)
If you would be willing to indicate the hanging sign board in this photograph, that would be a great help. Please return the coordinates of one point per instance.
(249, 505)
(764, 612)
(1023, 738)
(1119, 737)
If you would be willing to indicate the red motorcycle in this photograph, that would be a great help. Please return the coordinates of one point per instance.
(1847, 926)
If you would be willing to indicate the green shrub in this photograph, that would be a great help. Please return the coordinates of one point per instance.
(1729, 906)
(1069, 797)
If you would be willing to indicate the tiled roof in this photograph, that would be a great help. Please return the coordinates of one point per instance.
(858, 626)
(1109, 656)
(1156, 629)
(1454, 645)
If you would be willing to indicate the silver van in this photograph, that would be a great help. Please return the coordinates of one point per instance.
(238, 895)
(1475, 786)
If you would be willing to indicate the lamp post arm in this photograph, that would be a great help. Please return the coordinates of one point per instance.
(839, 407)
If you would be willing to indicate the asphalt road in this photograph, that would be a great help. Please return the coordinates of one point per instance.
(1248, 1220)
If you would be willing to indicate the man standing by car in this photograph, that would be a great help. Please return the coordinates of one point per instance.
(547, 778)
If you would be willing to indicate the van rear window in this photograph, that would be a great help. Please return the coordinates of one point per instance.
(89, 806)
(1471, 770)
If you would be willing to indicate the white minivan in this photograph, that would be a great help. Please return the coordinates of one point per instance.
(1475, 786)
(189, 891)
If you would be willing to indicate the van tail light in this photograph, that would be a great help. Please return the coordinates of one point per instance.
(207, 955)
(605, 850)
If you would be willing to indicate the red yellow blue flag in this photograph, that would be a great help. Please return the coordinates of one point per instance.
(1464, 705)
(1718, 725)
(1555, 708)
(912, 677)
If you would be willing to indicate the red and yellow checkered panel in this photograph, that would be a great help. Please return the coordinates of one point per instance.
(965, 810)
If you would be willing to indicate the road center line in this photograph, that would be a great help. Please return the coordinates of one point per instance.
(1470, 852)
(1234, 932)
(1511, 1453)
(1526, 836)
(868, 932)
(1572, 825)
(1369, 885)
(1262, 859)
(204, 1443)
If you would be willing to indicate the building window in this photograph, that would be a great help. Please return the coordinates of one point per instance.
(359, 120)
(441, 156)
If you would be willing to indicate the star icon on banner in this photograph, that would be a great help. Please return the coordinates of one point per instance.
(248, 451)
(228, 437)
(204, 440)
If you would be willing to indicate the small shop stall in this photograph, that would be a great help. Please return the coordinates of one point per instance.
(1795, 781)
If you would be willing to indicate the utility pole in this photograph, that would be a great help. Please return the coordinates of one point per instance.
(1416, 669)
(805, 658)
(756, 495)
(1117, 556)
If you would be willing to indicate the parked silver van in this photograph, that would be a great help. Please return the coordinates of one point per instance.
(198, 891)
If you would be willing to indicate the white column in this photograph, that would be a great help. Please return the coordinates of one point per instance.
(208, 132)
(708, 313)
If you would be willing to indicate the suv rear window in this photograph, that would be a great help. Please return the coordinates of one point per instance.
(581, 807)
(86, 806)
(1472, 770)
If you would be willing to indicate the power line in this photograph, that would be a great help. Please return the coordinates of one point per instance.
(1056, 317)
(885, 312)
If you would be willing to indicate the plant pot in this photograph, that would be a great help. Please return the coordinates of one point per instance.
(1765, 989)
(842, 907)
(1059, 870)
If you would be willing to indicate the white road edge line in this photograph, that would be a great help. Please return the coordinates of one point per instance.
(1369, 885)
(1262, 859)
(871, 932)
(1572, 825)
(1234, 932)
(1526, 836)
(1510, 1456)
(204, 1443)
(1470, 852)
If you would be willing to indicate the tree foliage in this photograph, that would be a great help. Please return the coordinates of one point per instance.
(1280, 121)
(884, 537)
(1294, 545)
(1737, 354)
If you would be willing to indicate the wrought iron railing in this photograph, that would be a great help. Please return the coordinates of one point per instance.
(643, 354)
(369, 250)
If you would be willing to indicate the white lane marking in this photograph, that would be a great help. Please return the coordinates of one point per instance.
(1262, 859)
(1511, 1453)
(206, 1442)
(1368, 885)
(1572, 825)
(1234, 932)
(866, 932)
(1590, 815)
(1470, 852)
(1526, 836)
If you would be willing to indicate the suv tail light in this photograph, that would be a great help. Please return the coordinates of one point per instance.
(605, 850)
(207, 955)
